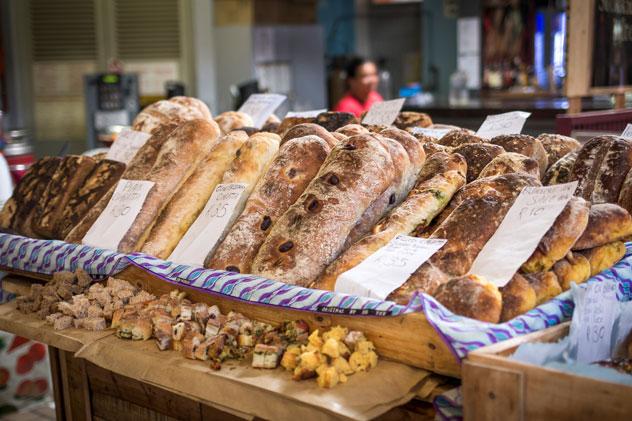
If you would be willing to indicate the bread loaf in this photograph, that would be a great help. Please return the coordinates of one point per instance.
(352, 130)
(406, 119)
(607, 222)
(333, 120)
(70, 175)
(312, 232)
(545, 285)
(561, 171)
(625, 194)
(518, 297)
(459, 137)
(289, 174)
(558, 240)
(431, 148)
(588, 163)
(339, 136)
(105, 174)
(161, 113)
(471, 296)
(289, 122)
(232, 120)
(477, 156)
(604, 257)
(178, 158)
(572, 268)
(525, 145)
(509, 162)
(196, 108)
(557, 146)
(189, 201)
(440, 178)
(611, 174)
(308, 129)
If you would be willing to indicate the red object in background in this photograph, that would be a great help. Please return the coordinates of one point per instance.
(4, 377)
(24, 364)
(29, 389)
(18, 153)
(37, 352)
(350, 104)
(17, 341)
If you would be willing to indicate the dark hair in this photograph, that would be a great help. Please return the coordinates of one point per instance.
(354, 64)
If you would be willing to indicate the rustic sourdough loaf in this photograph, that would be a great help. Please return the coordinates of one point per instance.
(477, 156)
(525, 145)
(509, 162)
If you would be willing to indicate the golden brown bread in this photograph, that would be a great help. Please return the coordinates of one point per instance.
(572, 268)
(197, 108)
(307, 129)
(333, 120)
(561, 171)
(518, 297)
(289, 122)
(525, 145)
(460, 137)
(604, 257)
(189, 201)
(291, 171)
(607, 222)
(233, 120)
(545, 285)
(557, 146)
(352, 130)
(440, 178)
(431, 148)
(611, 174)
(508, 162)
(558, 240)
(471, 296)
(406, 119)
(588, 163)
(339, 136)
(312, 232)
(162, 113)
(477, 156)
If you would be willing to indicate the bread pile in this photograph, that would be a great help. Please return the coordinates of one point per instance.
(322, 194)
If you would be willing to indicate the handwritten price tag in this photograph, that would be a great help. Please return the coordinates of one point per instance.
(261, 106)
(119, 215)
(593, 321)
(627, 132)
(384, 113)
(211, 225)
(388, 268)
(526, 222)
(126, 145)
(436, 133)
(499, 124)
(305, 114)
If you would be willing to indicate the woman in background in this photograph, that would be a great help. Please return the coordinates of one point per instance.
(362, 81)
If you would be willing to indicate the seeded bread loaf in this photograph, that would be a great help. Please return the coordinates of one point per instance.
(509, 162)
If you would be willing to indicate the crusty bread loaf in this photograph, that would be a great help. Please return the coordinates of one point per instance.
(560, 172)
(352, 130)
(558, 240)
(312, 232)
(477, 156)
(196, 108)
(189, 201)
(289, 174)
(525, 145)
(460, 137)
(588, 163)
(137, 169)
(557, 146)
(339, 136)
(471, 296)
(545, 285)
(289, 122)
(308, 129)
(333, 120)
(604, 257)
(572, 268)
(161, 113)
(233, 120)
(610, 176)
(105, 174)
(607, 222)
(625, 194)
(518, 297)
(508, 162)
(440, 178)
(431, 148)
(178, 158)
(406, 119)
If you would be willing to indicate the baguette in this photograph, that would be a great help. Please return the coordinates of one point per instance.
(188, 202)
(291, 171)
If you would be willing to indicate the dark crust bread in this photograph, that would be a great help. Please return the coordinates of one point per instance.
(472, 297)
(509, 162)
(289, 122)
(561, 171)
(612, 172)
(477, 156)
(460, 137)
(525, 145)
(588, 163)
(407, 119)
(333, 120)
(557, 146)
(607, 222)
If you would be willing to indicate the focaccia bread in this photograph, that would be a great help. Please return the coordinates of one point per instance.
(65, 182)
(312, 232)
(440, 178)
(196, 107)
(557, 146)
(477, 156)
(189, 201)
(289, 122)
(289, 174)
(333, 120)
(518, 297)
(604, 257)
(607, 222)
(27, 192)
(611, 174)
(525, 145)
(137, 169)
(178, 158)
(471, 296)
(558, 240)
(105, 174)
(406, 119)
(588, 163)
(509, 162)
(545, 285)
(574, 267)
(352, 130)
(232, 120)
(308, 129)
(460, 137)
(561, 171)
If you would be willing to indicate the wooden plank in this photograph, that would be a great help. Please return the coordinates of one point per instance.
(56, 377)
(26, 274)
(77, 400)
(110, 408)
(18, 285)
(492, 394)
(580, 47)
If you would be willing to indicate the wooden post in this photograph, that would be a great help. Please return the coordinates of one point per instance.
(574, 105)
(619, 100)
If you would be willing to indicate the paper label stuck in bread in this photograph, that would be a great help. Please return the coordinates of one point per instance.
(384, 113)
(388, 268)
(261, 106)
(502, 124)
(211, 225)
(119, 214)
(519, 233)
(126, 145)
(435, 133)
(627, 132)
(305, 114)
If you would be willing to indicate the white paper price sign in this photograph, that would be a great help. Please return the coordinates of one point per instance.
(519, 233)
(211, 225)
(436, 133)
(126, 145)
(119, 215)
(384, 113)
(261, 106)
(499, 124)
(627, 132)
(305, 114)
(593, 320)
(388, 268)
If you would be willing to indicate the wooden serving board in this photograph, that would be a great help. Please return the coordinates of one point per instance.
(409, 339)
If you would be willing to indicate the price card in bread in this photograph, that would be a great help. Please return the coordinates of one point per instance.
(627, 132)
(388, 268)
(119, 214)
(384, 113)
(261, 106)
(211, 225)
(519, 233)
(502, 124)
(305, 114)
(126, 145)
(425, 131)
